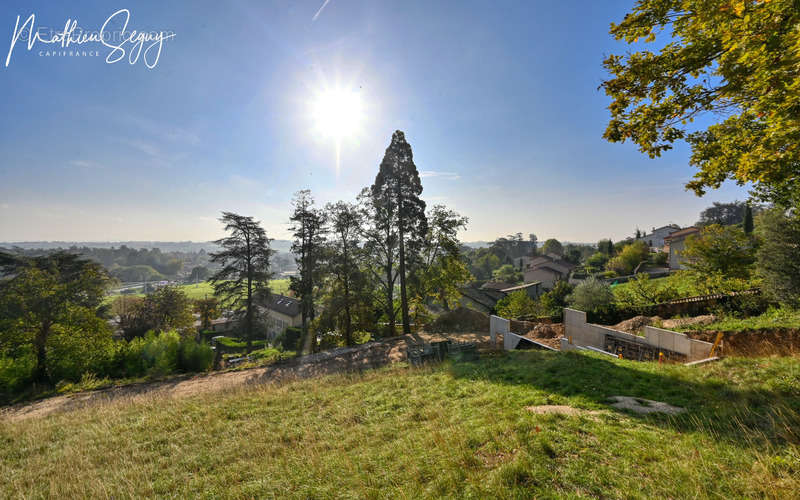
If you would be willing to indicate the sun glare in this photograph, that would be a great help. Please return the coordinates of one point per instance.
(337, 113)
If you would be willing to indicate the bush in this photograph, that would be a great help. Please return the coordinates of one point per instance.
(361, 337)
(630, 257)
(461, 319)
(289, 339)
(268, 353)
(779, 254)
(726, 250)
(591, 295)
(642, 292)
(517, 304)
(659, 259)
(15, 373)
(597, 260)
(160, 352)
(555, 300)
(194, 356)
(86, 347)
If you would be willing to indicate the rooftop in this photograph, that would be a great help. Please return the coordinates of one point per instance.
(283, 304)
(682, 233)
(521, 287)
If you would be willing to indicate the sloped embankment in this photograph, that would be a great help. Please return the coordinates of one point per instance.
(758, 342)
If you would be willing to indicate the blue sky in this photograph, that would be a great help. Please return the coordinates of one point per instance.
(499, 101)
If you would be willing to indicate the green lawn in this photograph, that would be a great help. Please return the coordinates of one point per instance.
(204, 289)
(455, 430)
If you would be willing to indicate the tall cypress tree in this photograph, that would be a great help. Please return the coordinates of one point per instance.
(396, 192)
(243, 279)
(748, 219)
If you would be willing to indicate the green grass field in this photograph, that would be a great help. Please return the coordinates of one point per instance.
(457, 430)
(204, 289)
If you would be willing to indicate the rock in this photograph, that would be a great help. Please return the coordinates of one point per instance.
(644, 406)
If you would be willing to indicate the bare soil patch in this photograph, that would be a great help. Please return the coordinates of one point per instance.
(636, 324)
(560, 410)
(771, 342)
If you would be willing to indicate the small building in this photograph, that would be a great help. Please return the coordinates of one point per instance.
(533, 289)
(477, 299)
(495, 285)
(547, 269)
(222, 325)
(655, 240)
(282, 312)
(677, 243)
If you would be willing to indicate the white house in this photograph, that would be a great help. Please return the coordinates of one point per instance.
(282, 312)
(677, 243)
(655, 240)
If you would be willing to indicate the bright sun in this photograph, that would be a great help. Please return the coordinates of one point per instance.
(337, 113)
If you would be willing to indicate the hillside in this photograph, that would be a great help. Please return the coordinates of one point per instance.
(484, 429)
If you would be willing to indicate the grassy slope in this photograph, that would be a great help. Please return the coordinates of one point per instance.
(457, 430)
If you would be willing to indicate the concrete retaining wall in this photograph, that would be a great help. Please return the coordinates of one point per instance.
(498, 325)
(580, 333)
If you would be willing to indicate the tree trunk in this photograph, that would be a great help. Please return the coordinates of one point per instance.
(249, 313)
(402, 256)
(40, 375)
(348, 322)
(403, 297)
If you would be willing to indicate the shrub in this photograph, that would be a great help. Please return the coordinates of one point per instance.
(555, 300)
(269, 353)
(779, 254)
(517, 304)
(15, 373)
(194, 356)
(361, 337)
(460, 319)
(591, 295)
(85, 347)
(160, 352)
(597, 260)
(290, 338)
(659, 259)
(629, 257)
(720, 249)
(507, 273)
(641, 292)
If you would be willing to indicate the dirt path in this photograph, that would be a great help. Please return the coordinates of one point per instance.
(352, 359)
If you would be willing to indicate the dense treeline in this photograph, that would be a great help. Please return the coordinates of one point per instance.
(54, 326)
(367, 268)
(127, 264)
(363, 266)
